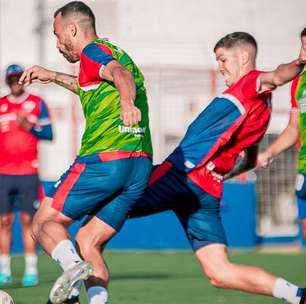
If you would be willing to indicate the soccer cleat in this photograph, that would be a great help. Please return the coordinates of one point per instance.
(29, 280)
(5, 279)
(64, 284)
(73, 300)
(303, 296)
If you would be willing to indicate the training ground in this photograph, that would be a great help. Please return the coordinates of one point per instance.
(162, 278)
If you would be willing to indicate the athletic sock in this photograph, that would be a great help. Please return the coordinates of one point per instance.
(97, 295)
(287, 291)
(30, 263)
(5, 264)
(65, 254)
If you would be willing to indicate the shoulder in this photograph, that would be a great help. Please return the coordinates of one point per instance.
(96, 47)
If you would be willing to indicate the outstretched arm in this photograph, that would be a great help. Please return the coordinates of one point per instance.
(283, 142)
(42, 75)
(125, 84)
(283, 73)
(245, 163)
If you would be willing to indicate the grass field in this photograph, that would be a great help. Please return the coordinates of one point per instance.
(163, 278)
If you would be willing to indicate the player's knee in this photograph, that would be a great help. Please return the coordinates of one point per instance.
(6, 222)
(25, 219)
(220, 277)
(88, 242)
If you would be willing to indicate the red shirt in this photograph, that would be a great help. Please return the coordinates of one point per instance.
(246, 131)
(18, 146)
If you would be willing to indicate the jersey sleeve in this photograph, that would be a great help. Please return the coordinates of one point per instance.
(251, 84)
(94, 58)
(294, 102)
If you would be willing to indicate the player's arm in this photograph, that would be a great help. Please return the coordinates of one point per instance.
(42, 75)
(245, 163)
(43, 130)
(124, 82)
(283, 73)
(283, 142)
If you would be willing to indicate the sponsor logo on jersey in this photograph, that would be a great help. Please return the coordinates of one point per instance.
(28, 106)
(137, 131)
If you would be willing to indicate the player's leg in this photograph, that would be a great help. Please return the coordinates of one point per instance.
(6, 222)
(28, 190)
(222, 273)
(98, 185)
(91, 239)
(205, 232)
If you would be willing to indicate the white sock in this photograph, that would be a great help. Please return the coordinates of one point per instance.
(30, 264)
(76, 289)
(286, 291)
(65, 254)
(5, 264)
(97, 295)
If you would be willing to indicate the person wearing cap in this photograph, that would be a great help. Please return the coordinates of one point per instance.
(24, 120)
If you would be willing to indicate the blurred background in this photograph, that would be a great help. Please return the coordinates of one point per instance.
(172, 41)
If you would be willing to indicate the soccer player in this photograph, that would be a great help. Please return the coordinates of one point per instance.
(295, 131)
(114, 163)
(188, 181)
(24, 120)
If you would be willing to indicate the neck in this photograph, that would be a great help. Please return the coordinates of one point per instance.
(17, 94)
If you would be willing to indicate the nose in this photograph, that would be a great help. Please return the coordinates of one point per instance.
(220, 67)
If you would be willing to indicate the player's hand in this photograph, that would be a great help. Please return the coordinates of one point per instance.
(22, 120)
(36, 74)
(129, 113)
(264, 159)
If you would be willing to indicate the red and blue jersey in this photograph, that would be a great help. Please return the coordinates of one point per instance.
(18, 146)
(232, 122)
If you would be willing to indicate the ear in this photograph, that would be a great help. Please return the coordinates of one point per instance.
(245, 57)
(73, 29)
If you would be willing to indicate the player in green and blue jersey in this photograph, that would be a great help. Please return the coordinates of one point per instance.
(114, 162)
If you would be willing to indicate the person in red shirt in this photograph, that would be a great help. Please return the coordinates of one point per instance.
(24, 120)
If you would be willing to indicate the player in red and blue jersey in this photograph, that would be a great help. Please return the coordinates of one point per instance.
(189, 181)
(114, 162)
(24, 120)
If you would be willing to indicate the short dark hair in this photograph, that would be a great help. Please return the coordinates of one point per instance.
(303, 32)
(77, 7)
(234, 39)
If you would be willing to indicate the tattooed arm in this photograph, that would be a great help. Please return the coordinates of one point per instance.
(42, 75)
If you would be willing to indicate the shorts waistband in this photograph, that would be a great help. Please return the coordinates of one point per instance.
(110, 155)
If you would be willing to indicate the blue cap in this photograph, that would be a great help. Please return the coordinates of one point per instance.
(13, 70)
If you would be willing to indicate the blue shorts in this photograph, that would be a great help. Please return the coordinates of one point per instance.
(198, 211)
(300, 188)
(105, 189)
(22, 189)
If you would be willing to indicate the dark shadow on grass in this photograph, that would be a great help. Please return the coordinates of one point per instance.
(142, 276)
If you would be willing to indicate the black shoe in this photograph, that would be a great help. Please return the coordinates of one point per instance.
(303, 297)
(73, 300)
